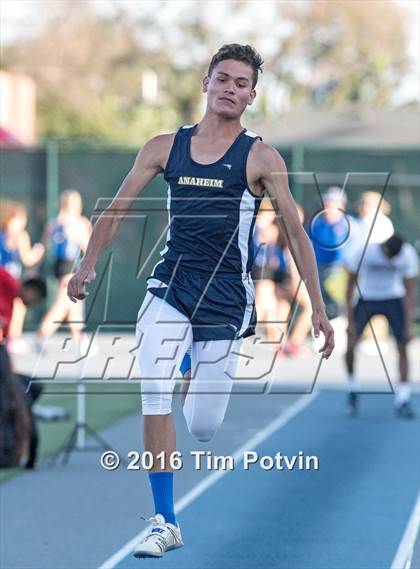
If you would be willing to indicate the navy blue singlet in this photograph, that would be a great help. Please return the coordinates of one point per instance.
(205, 265)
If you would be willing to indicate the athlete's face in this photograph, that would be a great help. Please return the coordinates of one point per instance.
(229, 88)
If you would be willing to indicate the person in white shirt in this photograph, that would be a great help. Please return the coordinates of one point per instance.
(386, 280)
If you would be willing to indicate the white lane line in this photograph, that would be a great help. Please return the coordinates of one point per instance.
(209, 480)
(402, 559)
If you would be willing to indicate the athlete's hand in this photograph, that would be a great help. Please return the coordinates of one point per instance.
(76, 289)
(321, 323)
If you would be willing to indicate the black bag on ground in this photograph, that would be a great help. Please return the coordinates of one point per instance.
(18, 431)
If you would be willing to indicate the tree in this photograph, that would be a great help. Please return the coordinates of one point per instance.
(343, 53)
(89, 67)
(88, 70)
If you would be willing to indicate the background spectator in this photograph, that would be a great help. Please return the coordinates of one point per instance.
(387, 279)
(329, 232)
(293, 290)
(270, 268)
(67, 235)
(17, 252)
(18, 433)
(370, 218)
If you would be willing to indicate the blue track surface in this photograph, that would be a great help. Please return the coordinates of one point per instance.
(350, 514)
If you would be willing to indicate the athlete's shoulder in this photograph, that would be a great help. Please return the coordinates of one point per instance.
(409, 253)
(159, 142)
(154, 153)
(266, 159)
(409, 249)
(165, 141)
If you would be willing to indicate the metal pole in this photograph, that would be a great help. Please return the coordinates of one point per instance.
(52, 194)
(81, 415)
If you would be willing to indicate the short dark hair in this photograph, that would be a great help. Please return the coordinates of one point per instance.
(392, 246)
(245, 53)
(37, 285)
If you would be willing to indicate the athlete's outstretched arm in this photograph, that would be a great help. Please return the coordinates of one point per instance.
(273, 177)
(149, 162)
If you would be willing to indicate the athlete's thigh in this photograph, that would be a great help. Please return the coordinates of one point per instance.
(362, 312)
(213, 368)
(163, 335)
(214, 363)
(395, 314)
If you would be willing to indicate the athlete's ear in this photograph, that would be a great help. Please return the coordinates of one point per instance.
(252, 96)
(206, 81)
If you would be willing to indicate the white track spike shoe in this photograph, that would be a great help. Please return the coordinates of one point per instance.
(162, 537)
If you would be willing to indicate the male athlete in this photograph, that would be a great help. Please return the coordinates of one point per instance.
(200, 294)
(387, 283)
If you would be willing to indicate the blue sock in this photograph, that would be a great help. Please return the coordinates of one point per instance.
(162, 487)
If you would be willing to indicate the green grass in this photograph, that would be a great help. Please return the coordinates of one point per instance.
(105, 404)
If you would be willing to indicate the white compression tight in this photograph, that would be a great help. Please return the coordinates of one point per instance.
(163, 336)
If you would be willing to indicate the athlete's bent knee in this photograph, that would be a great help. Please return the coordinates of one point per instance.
(202, 435)
(203, 432)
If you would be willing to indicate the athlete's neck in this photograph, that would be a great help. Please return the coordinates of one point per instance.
(216, 127)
